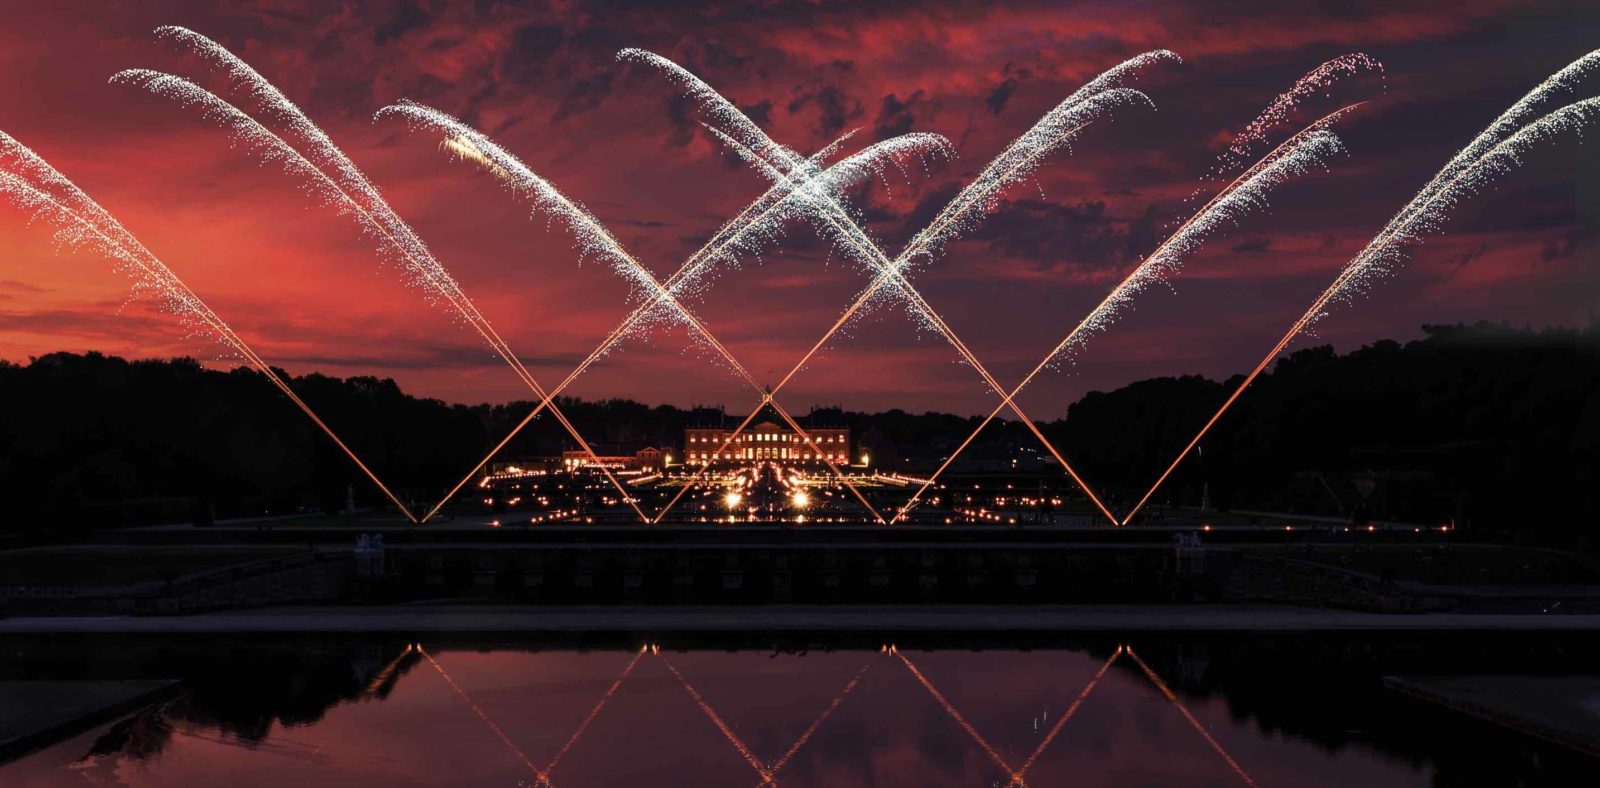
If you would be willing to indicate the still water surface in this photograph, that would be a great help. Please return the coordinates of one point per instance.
(1115, 713)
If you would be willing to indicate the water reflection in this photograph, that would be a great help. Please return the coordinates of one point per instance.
(415, 713)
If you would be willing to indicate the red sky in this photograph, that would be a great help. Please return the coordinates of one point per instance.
(307, 291)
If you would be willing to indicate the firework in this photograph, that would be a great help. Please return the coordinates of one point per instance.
(1308, 149)
(1492, 153)
(347, 189)
(47, 195)
(1020, 159)
(592, 240)
(1315, 81)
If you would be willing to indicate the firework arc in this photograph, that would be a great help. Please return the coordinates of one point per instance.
(1491, 154)
(1307, 149)
(592, 239)
(347, 189)
(1054, 131)
(729, 237)
(802, 190)
(41, 190)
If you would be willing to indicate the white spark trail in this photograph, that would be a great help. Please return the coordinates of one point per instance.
(592, 239)
(1315, 81)
(735, 122)
(348, 189)
(1513, 118)
(1017, 161)
(1420, 219)
(1491, 154)
(1309, 150)
(1020, 159)
(1484, 158)
(745, 235)
(45, 194)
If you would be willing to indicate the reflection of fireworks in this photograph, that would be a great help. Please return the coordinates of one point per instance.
(80, 222)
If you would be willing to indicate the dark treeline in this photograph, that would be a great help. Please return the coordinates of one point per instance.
(1485, 425)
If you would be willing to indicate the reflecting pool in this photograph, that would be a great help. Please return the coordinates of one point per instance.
(1125, 712)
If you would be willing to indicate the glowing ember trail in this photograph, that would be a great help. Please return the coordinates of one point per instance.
(593, 239)
(387, 672)
(1021, 158)
(1308, 148)
(41, 190)
(1492, 153)
(347, 189)
(1316, 81)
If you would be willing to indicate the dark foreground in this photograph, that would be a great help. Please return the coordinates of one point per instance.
(183, 570)
(417, 620)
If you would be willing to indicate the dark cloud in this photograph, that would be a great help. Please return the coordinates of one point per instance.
(830, 105)
(929, 205)
(1051, 236)
(13, 287)
(106, 322)
(531, 47)
(681, 121)
(584, 95)
(403, 18)
(760, 112)
(896, 117)
(1469, 256)
(424, 356)
(1012, 77)
(1253, 245)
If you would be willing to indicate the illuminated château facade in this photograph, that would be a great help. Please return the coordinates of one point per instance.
(767, 441)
